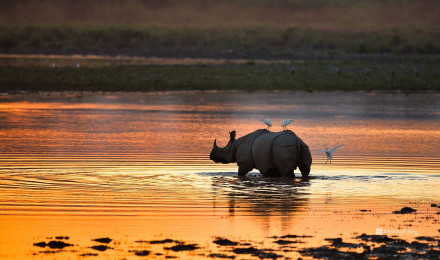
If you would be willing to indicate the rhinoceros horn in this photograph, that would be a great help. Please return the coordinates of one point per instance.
(215, 144)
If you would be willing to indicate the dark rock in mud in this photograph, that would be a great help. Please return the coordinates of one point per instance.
(141, 252)
(53, 244)
(224, 242)
(256, 252)
(334, 240)
(40, 244)
(330, 253)
(46, 252)
(178, 248)
(248, 250)
(222, 256)
(268, 255)
(424, 238)
(285, 242)
(88, 254)
(434, 205)
(418, 245)
(433, 254)
(337, 242)
(399, 242)
(58, 244)
(291, 236)
(365, 210)
(388, 249)
(101, 248)
(105, 240)
(154, 242)
(405, 210)
(61, 237)
(376, 238)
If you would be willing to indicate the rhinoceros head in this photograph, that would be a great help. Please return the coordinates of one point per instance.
(225, 154)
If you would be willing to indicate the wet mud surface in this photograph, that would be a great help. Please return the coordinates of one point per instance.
(364, 246)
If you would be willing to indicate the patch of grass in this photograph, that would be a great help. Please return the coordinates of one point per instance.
(309, 75)
(258, 40)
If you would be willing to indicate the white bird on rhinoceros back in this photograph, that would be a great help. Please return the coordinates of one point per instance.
(329, 153)
(267, 122)
(286, 122)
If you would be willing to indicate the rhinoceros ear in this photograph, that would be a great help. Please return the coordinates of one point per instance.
(232, 135)
(215, 144)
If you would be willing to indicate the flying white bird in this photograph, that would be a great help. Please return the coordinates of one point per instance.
(267, 122)
(329, 153)
(286, 122)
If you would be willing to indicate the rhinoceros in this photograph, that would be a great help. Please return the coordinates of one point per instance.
(273, 154)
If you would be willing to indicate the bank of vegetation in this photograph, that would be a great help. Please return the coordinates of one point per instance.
(416, 75)
(381, 36)
(256, 40)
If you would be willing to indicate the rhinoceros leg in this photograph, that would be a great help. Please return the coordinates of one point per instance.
(243, 169)
(305, 170)
(305, 161)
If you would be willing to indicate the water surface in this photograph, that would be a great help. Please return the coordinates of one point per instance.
(136, 167)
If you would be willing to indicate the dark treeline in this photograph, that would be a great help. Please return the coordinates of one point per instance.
(252, 41)
(226, 28)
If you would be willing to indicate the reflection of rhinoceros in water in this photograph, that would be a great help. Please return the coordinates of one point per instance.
(273, 154)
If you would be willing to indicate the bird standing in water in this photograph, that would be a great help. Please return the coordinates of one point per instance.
(329, 153)
(286, 122)
(267, 122)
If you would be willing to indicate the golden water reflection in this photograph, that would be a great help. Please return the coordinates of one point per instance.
(136, 167)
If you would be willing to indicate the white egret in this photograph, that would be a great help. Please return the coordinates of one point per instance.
(329, 153)
(292, 70)
(267, 122)
(338, 70)
(367, 71)
(286, 122)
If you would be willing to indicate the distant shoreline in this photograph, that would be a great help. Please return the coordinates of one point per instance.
(71, 93)
(408, 74)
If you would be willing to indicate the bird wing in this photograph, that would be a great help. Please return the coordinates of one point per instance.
(336, 147)
(267, 121)
(286, 122)
(322, 151)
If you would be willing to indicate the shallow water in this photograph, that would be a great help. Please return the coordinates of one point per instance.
(136, 167)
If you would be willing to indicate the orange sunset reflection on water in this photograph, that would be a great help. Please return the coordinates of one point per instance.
(135, 167)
